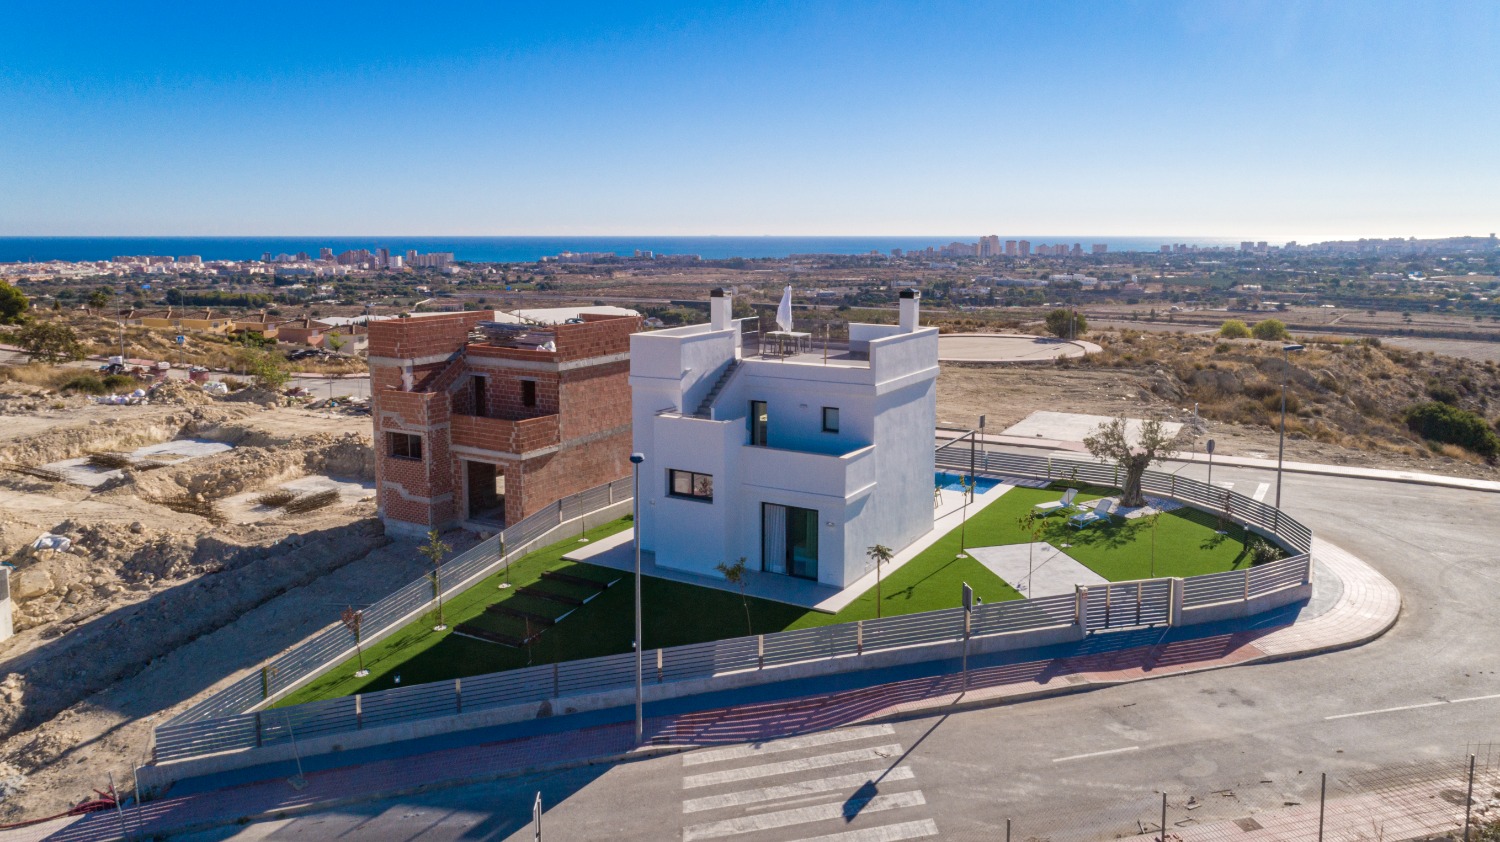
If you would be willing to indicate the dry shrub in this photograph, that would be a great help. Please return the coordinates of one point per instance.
(311, 502)
(276, 499)
(42, 376)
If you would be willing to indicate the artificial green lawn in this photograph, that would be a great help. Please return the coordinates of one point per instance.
(676, 613)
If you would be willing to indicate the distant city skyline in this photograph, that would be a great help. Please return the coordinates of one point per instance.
(1209, 120)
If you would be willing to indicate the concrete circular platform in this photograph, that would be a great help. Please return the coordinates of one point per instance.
(1007, 348)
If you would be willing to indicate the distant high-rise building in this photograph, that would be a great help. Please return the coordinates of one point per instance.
(265, 257)
(1166, 249)
(1024, 247)
(411, 255)
(989, 246)
(1078, 249)
(382, 258)
(1247, 246)
(1010, 248)
(325, 253)
(191, 259)
(1101, 248)
(895, 252)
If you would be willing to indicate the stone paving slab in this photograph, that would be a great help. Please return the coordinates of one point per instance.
(1036, 570)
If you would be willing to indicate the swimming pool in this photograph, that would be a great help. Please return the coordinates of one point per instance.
(949, 481)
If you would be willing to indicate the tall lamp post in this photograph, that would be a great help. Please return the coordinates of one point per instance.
(1286, 358)
(635, 468)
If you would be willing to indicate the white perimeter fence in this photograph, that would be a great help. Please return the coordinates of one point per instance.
(231, 721)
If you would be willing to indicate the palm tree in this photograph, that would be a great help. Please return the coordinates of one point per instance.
(880, 554)
(435, 549)
(734, 574)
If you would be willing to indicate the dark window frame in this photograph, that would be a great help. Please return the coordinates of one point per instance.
(760, 432)
(835, 427)
(694, 485)
(406, 439)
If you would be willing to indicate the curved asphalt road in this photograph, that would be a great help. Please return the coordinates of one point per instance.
(1091, 765)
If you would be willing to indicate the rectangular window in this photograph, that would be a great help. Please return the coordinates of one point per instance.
(830, 419)
(689, 484)
(528, 393)
(759, 424)
(406, 445)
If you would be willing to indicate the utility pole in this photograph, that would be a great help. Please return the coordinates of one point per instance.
(640, 726)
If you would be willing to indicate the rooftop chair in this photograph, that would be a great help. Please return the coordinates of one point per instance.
(1098, 514)
(1062, 505)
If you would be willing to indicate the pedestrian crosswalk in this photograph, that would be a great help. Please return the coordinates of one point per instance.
(842, 785)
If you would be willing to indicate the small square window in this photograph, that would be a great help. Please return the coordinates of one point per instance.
(406, 446)
(690, 485)
(830, 419)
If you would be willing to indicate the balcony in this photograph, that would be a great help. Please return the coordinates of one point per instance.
(501, 436)
(840, 476)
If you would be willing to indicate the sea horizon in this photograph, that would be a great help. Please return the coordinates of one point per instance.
(525, 249)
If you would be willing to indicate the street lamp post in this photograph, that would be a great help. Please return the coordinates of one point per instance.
(635, 464)
(1286, 358)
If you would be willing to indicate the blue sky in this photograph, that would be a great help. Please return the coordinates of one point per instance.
(1267, 120)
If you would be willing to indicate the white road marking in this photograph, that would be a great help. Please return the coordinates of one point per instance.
(1476, 699)
(774, 793)
(802, 815)
(1095, 754)
(1384, 710)
(766, 770)
(884, 833)
(841, 735)
(1415, 707)
(1260, 491)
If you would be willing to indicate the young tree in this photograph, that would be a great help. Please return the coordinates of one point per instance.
(1066, 324)
(99, 298)
(267, 367)
(1234, 329)
(1270, 330)
(13, 305)
(353, 620)
(1031, 524)
(50, 342)
(734, 574)
(337, 342)
(881, 554)
(1109, 442)
(435, 549)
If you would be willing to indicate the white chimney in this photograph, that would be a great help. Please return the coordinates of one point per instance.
(720, 309)
(910, 301)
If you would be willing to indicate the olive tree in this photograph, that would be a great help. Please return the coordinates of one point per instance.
(1110, 442)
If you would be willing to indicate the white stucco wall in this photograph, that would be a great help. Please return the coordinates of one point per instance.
(870, 482)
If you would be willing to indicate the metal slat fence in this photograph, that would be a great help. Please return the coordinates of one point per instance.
(335, 643)
(224, 727)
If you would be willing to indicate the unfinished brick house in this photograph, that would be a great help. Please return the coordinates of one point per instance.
(483, 424)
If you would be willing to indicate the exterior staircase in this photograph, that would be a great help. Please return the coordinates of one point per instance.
(706, 408)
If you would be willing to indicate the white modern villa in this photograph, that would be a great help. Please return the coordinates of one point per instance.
(798, 460)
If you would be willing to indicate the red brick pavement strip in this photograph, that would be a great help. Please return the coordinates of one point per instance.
(1367, 607)
(612, 743)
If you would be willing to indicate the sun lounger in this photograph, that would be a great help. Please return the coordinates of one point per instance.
(1062, 505)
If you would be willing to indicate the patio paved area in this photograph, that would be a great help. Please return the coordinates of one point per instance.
(1038, 569)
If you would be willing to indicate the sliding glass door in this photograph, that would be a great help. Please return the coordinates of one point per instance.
(789, 541)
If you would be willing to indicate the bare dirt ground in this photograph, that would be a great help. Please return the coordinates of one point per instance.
(159, 597)
(1345, 401)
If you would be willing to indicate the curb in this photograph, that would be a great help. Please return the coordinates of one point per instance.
(646, 752)
(643, 753)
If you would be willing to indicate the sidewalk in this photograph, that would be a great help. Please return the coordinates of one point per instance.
(1073, 449)
(1351, 604)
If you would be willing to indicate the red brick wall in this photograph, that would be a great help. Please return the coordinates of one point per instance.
(422, 336)
(594, 399)
(576, 468)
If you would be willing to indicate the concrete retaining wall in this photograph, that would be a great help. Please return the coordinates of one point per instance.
(1244, 608)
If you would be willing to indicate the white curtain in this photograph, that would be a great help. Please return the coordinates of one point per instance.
(773, 537)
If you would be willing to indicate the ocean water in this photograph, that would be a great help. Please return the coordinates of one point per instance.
(524, 249)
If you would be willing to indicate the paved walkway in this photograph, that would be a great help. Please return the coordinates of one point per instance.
(1352, 604)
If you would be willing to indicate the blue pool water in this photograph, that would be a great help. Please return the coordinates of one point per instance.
(955, 482)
